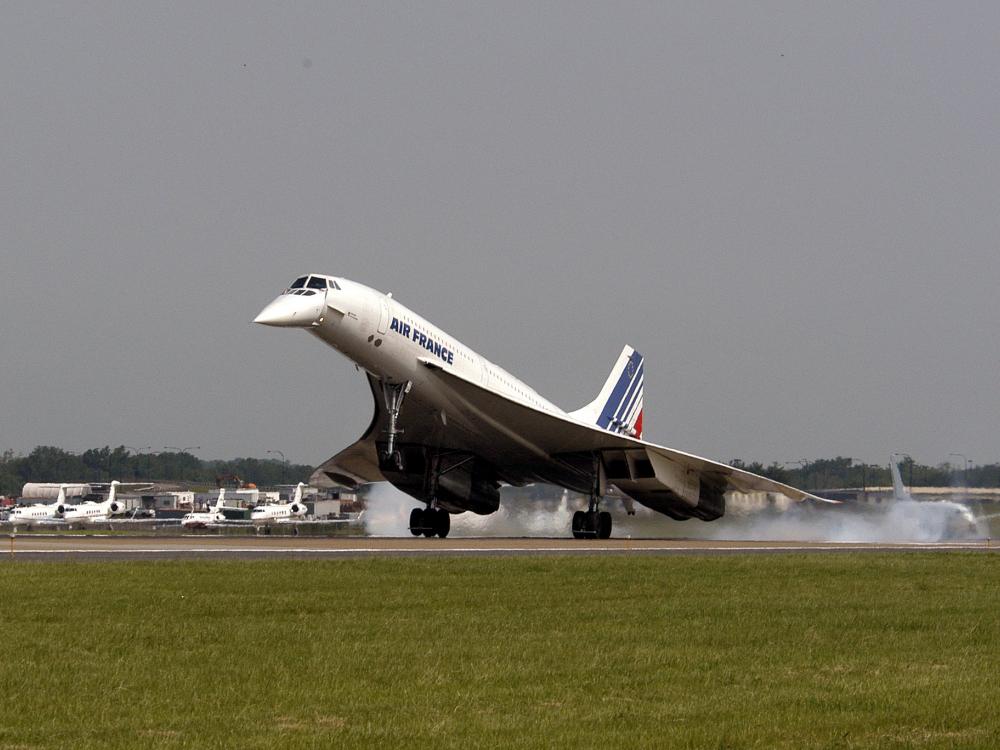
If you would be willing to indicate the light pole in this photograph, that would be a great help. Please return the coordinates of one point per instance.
(138, 451)
(864, 475)
(802, 465)
(284, 465)
(182, 450)
(965, 470)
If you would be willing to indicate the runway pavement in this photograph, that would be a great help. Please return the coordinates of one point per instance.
(105, 547)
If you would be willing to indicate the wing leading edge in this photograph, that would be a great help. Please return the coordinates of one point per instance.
(670, 481)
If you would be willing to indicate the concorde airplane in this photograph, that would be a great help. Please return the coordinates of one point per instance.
(91, 512)
(41, 512)
(293, 510)
(450, 427)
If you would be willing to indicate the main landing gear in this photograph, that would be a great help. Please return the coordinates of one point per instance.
(393, 395)
(430, 522)
(593, 523)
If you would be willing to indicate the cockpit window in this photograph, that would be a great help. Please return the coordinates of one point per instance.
(316, 282)
(299, 282)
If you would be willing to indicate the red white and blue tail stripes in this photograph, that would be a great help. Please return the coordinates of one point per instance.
(619, 407)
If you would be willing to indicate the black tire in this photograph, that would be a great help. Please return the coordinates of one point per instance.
(430, 522)
(603, 525)
(417, 521)
(442, 523)
(579, 521)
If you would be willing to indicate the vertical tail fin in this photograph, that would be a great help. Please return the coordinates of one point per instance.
(221, 501)
(899, 491)
(618, 408)
(298, 493)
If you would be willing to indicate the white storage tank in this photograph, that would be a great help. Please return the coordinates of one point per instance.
(50, 490)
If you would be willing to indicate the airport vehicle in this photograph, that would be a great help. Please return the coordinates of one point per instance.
(290, 512)
(91, 512)
(41, 512)
(212, 516)
(450, 427)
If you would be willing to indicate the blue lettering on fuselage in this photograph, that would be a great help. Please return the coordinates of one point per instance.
(423, 340)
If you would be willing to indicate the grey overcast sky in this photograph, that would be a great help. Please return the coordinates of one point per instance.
(790, 209)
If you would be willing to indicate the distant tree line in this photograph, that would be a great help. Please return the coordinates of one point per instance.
(842, 473)
(50, 464)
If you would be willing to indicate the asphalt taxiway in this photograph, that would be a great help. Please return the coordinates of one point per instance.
(102, 547)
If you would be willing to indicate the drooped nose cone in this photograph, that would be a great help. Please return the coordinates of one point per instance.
(290, 311)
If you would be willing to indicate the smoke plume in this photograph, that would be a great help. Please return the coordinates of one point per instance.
(748, 518)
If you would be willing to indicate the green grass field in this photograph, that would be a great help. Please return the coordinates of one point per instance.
(841, 650)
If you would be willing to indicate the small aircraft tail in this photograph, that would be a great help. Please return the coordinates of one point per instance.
(221, 501)
(112, 504)
(618, 408)
(899, 491)
(61, 505)
(297, 498)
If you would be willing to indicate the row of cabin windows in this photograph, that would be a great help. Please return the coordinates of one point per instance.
(450, 346)
(461, 353)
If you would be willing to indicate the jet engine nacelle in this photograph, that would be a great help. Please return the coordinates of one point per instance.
(60, 510)
(461, 482)
(115, 507)
(472, 486)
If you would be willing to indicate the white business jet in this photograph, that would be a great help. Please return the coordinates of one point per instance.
(41, 512)
(450, 427)
(213, 515)
(289, 512)
(91, 512)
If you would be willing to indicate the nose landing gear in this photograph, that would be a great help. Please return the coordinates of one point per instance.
(393, 395)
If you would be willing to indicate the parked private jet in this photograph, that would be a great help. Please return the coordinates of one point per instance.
(91, 512)
(212, 516)
(450, 427)
(293, 510)
(41, 512)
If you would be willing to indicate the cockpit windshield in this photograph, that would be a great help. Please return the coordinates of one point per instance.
(308, 285)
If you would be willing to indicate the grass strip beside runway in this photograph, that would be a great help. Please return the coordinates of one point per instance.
(866, 650)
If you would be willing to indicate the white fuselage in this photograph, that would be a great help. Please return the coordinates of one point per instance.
(389, 340)
(201, 520)
(278, 513)
(88, 513)
(36, 514)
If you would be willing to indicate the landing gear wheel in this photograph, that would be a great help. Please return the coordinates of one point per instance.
(603, 525)
(442, 524)
(417, 521)
(579, 523)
